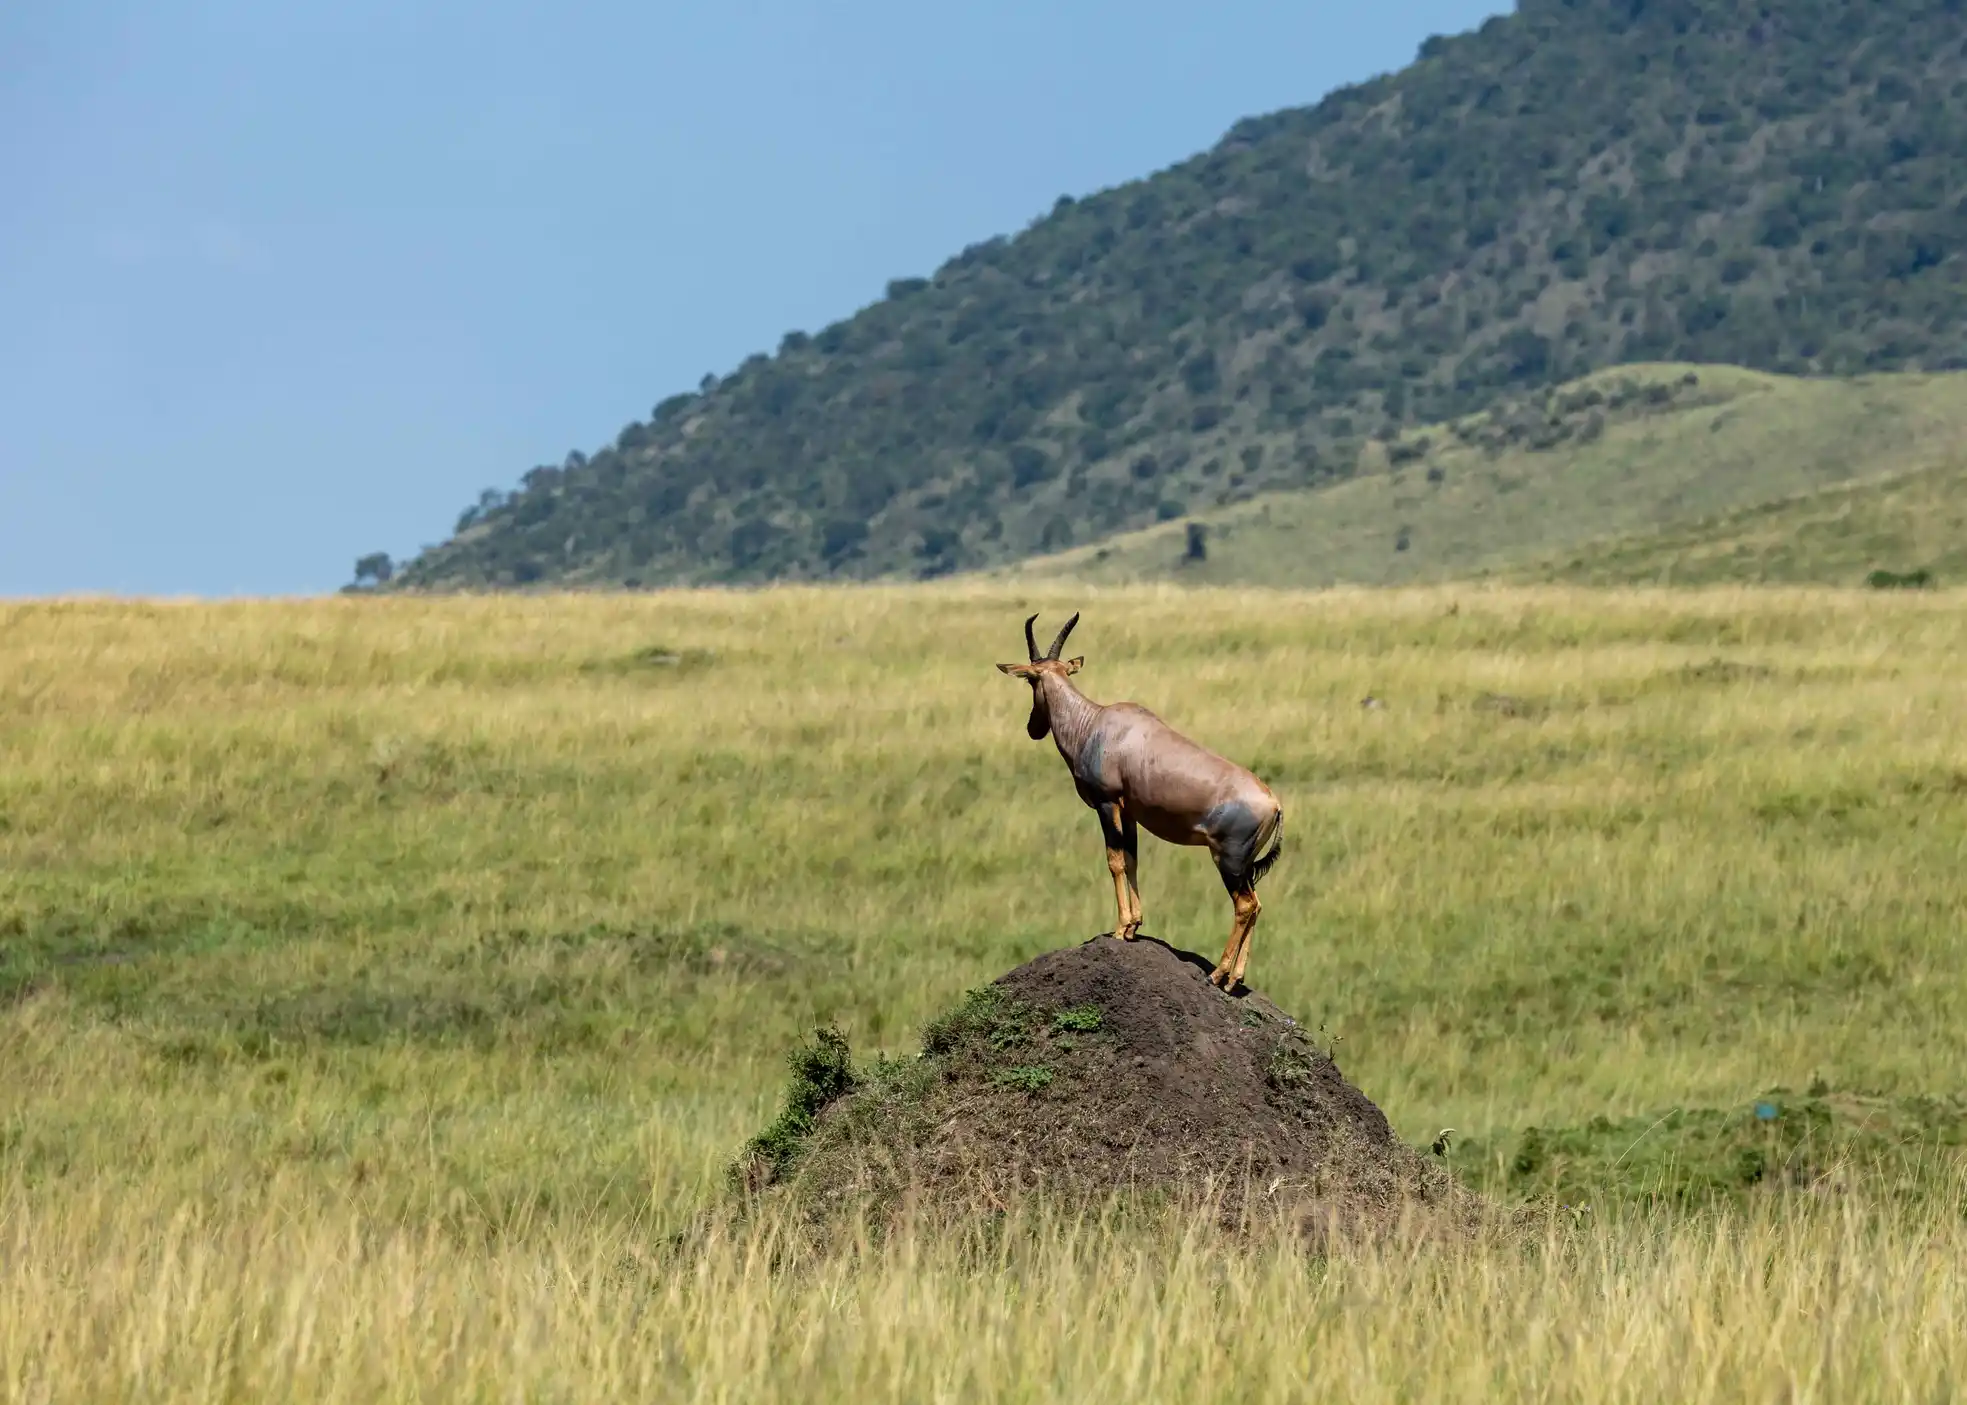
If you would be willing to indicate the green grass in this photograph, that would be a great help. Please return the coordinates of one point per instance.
(1817, 1141)
(382, 981)
(1704, 491)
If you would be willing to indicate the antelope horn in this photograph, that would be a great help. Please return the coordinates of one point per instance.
(1059, 643)
(1030, 644)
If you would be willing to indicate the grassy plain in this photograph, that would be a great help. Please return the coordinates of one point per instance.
(1712, 491)
(381, 980)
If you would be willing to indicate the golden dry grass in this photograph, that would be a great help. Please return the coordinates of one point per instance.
(264, 1301)
(381, 980)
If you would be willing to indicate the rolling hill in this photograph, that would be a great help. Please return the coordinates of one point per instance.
(1695, 474)
(1905, 525)
(1578, 185)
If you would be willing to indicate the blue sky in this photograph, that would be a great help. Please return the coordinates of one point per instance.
(284, 283)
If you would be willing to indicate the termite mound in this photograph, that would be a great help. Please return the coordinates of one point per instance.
(1109, 1069)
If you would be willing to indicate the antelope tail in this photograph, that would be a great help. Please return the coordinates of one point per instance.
(1262, 865)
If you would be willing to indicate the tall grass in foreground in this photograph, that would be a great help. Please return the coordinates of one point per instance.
(122, 1298)
(381, 980)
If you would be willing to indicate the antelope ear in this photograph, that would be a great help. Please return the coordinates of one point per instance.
(1010, 668)
(1073, 665)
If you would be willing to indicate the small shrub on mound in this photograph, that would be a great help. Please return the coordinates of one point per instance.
(1103, 1071)
(822, 1073)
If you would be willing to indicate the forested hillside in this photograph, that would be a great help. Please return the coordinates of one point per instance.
(1577, 185)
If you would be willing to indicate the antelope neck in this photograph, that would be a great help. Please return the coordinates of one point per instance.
(1072, 714)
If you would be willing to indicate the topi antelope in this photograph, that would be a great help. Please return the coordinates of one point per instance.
(1134, 769)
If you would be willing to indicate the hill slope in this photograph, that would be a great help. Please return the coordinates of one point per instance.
(1694, 453)
(1904, 524)
(1581, 184)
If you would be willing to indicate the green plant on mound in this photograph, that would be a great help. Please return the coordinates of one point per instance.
(1028, 1078)
(1820, 1142)
(989, 1016)
(1083, 1019)
(822, 1073)
(990, 1041)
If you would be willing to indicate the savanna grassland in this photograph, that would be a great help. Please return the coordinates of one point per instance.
(383, 982)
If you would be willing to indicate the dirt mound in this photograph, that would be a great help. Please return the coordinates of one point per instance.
(1103, 1068)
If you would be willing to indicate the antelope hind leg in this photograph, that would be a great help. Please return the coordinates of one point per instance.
(1248, 910)
(1234, 844)
(1236, 955)
(1224, 976)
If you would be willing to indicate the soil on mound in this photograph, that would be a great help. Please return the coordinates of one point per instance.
(1107, 1067)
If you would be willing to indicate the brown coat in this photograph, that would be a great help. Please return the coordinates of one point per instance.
(1133, 769)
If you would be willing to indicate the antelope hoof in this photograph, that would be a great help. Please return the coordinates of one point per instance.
(1219, 978)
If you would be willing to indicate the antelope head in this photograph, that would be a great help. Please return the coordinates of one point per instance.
(1036, 669)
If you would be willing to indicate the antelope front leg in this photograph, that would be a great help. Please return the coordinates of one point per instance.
(1112, 831)
(1134, 916)
(1116, 863)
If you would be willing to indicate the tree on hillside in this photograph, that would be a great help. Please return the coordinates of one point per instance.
(374, 569)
